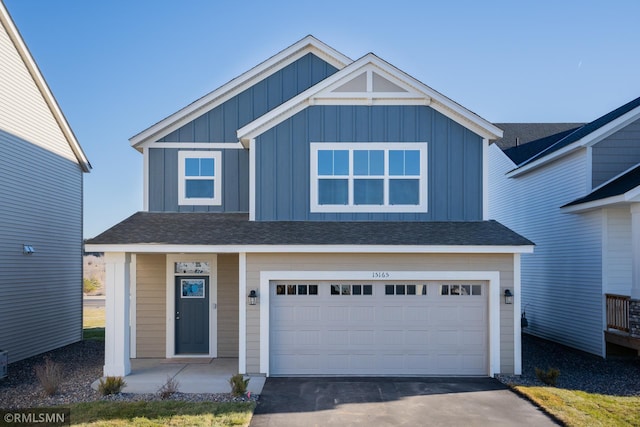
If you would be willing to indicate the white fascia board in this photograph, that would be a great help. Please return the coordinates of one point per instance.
(235, 145)
(595, 204)
(314, 95)
(289, 55)
(44, 89)
(401, 249)
(586, 141)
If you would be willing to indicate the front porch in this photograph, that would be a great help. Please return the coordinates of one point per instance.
(623, 321)
(201, 375)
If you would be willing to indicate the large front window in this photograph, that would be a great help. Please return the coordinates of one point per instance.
(199, 179)
(368, 177)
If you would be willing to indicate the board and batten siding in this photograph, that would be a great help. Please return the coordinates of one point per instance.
(454, 175)
(228, 293)
(562, 279)
(617, 256)
(151, 311)
(377, 262)
(163, 182)
(41, 206)
(221, 123)
(616, 153)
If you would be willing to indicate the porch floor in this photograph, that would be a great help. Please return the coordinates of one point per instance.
(193, 375)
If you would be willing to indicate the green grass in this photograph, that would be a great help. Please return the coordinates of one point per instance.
(93, 323)
(578, 408)
(161, 413)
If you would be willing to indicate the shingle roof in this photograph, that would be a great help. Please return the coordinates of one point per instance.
(236, 229)
(617, 186)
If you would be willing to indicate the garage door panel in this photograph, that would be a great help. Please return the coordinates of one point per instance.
(380, 333)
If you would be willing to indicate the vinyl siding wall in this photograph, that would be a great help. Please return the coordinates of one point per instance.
(616, 153)
(151, 284)
(617, 252)
(376, 262)
(41, 206)
(228, 311)
(454, 180)
(562, 279)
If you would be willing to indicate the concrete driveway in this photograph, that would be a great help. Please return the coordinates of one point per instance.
(393, 402)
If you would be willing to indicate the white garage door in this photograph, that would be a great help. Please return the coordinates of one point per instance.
(378, 328)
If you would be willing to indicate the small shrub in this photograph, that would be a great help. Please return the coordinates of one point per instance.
(169, 388)
(90, 285)
(238, 385)
(50, 376)
(111, 385)
(549, 377)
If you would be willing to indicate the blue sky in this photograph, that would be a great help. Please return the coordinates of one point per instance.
(117, 67)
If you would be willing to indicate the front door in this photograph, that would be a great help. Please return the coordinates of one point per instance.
(192, 315)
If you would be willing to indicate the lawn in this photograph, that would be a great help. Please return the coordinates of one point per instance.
(162, 413)
(578, 408)
(93, 323)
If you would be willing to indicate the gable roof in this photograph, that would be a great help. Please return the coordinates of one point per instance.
(230, 229)
(43, 87)
(309, 44)
(345, 86)
(622, 188)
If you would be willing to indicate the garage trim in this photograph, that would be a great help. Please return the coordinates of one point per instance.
(492, 277)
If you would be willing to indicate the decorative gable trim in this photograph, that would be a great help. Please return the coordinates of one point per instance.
(43, 87)
(370, 81)
(208, 102)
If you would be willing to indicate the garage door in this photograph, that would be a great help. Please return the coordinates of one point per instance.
(378, 328)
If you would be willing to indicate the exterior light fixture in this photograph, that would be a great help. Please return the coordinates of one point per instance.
(27, 249)
(508, 297)
(253, 297)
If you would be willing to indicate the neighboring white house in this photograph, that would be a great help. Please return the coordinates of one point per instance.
(574, 190)
(310, 218)
(41, 172)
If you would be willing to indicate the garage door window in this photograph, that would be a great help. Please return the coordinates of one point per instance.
(461, 290)
(351, 289)
(405, 289)
(296, 289)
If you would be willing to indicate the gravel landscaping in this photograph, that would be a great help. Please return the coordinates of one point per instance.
(82, 364)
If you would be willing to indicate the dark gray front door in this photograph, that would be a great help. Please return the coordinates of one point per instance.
(192, 315)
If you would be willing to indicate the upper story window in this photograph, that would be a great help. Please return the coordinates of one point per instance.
(199, 176)
(368, 177)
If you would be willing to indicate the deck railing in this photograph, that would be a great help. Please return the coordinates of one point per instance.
(618, 312)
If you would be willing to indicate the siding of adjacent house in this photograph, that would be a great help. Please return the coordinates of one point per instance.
(151, 285)
(454, 179)
(562, 280)
(228, 305)
(376, 262)
(616, 153)
(617, 251)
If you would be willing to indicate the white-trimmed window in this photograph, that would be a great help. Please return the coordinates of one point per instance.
(199, 177)
(368, 177)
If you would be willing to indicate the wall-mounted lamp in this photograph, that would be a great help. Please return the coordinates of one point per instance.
(508, 297)
(253, 297)
(27, 249)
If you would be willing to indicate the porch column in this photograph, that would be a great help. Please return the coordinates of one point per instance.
(116, 340)
(634, 304)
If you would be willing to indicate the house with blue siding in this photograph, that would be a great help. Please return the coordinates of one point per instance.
(574, 188)
(316, 216)
(41, 173)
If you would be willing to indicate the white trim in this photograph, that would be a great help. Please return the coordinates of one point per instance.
(588, 185)
(252, 180)
(145, 179)
(117, 321)
(587, 141)
(493, 277)
(193, 145)
(272, 65)
(242, 313)
(216, 200)
(43, 87)
(315, 207)
(517, 310)
(595, 204)
(604, 238)
(409, 249)
(133, 300)
(436, 100)
(485, 179)
(170, 302)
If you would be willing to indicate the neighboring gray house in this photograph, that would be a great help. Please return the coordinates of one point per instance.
(41, 172)
(574, 189)
(316, 216)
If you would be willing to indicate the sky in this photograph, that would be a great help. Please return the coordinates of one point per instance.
(116, 67)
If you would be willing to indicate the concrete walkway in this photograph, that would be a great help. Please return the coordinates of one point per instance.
(193, 375)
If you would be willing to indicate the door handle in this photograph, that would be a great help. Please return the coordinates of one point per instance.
(177, 315)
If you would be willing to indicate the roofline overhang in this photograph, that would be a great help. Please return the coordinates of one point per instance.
(631, 196)
(586, 141)
(407, 249)
(43, 87)
(308, 44)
